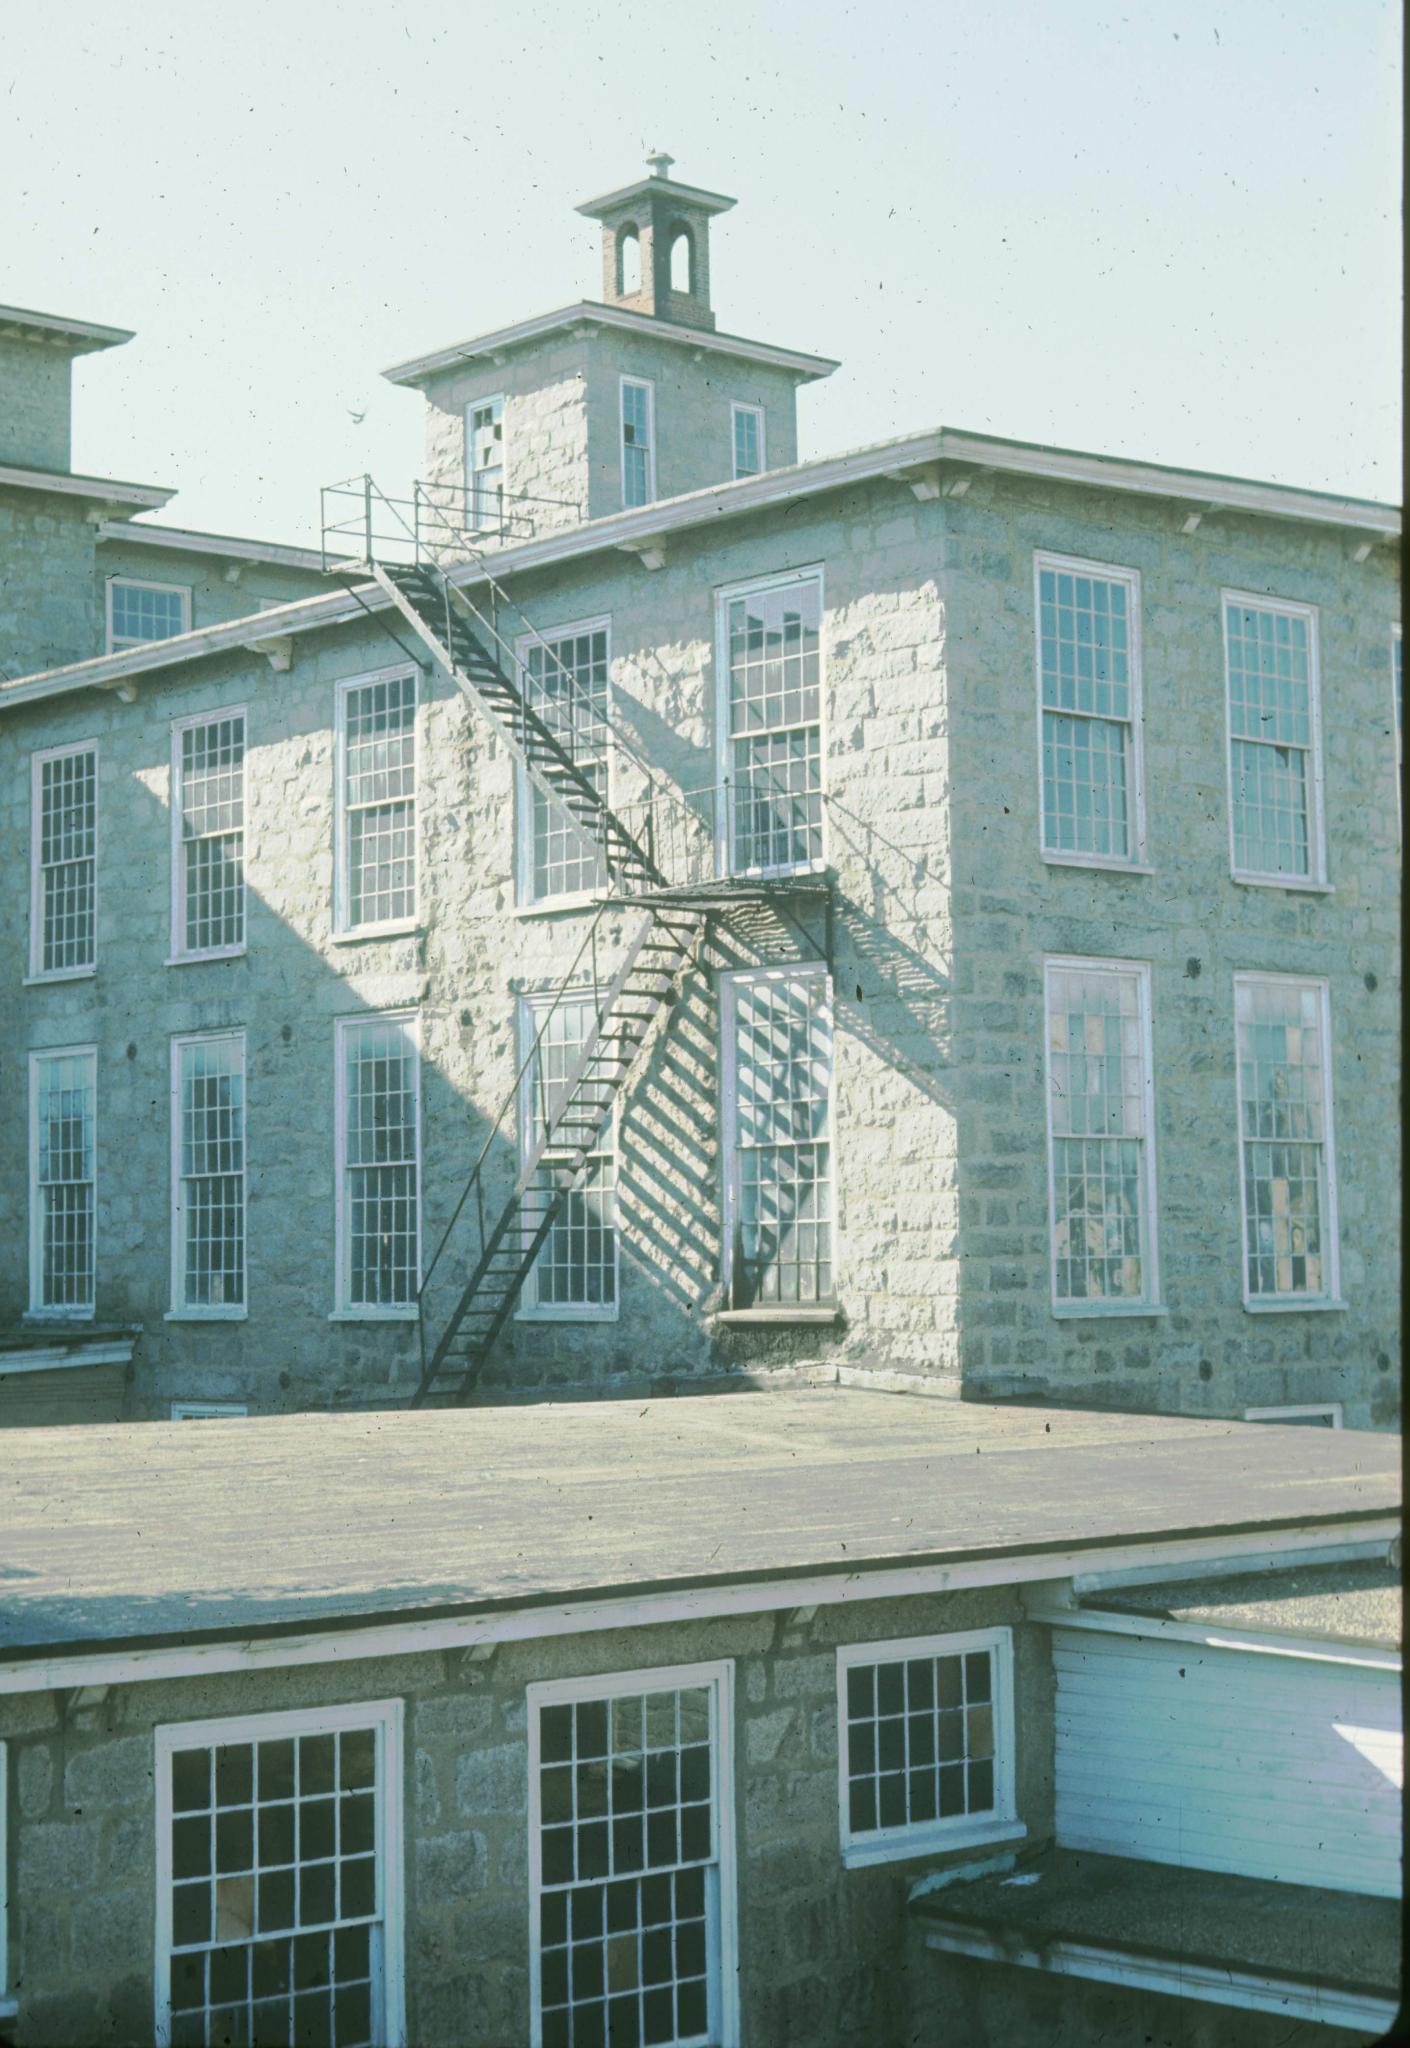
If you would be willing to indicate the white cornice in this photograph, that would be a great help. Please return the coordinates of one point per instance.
(97, 490)
(189, 542)
(78, 337)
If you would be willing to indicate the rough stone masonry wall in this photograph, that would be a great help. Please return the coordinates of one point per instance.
(821, 1948)
(545, 432)
(35, 405)
(48, 613)
(215, 598)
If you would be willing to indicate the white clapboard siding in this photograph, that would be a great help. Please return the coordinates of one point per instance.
(1228, 1759)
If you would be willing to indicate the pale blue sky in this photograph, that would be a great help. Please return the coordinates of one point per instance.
(1150, 229)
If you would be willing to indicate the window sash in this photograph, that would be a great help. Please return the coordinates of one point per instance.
(208, 813)
(638, 442)
(1287, 1175)
(485, 461)
(770, 664)
(1101, 1141)
(141, 612)
(558, 856)
(208, 1174)
(378, 1135)
(778, 1068)
(1087, 645)
(377, 801)
(576, 1273)
(63, 1181)
(64, 892)
(747, 422)
(1273, 736)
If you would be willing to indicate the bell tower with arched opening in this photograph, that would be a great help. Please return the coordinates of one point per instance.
(656, 246)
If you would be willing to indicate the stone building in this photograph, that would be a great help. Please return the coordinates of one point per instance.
(660, 911)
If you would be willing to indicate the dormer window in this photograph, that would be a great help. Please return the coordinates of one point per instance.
(484, 461)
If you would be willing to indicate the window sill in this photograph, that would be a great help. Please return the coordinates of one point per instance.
(206, 1315)
(1294, 1305)
(9, 2007)
(59, 974)
(929, 1842)
(1094, 864)
(1090, 1311)
(373, 1315)
(790, 874)
(1303, 883)
(45, 1316)
(574, 1312)
(555, 906)
(776, 1318)
(408, 928)
(199, 959)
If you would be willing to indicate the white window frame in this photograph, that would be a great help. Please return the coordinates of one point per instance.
(723, 1962)
(37, 970)
(962, 1830)
(1330, 1298)
(182, 1311)
(472, 495)
(385, 1718)
(207, 1411)
(1296, 1411)
(737, 406)
(179, 956)
(647, 385)
(345, 1310)
(38, 1311)
(532, 1008)
(730, 984)
(181, 590)
(1135, 859)
(525, 788)
(1150, 1302)
(384, 927)
(725, 593)
(1316, 877)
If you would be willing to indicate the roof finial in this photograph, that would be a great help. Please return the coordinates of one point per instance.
(659, 164)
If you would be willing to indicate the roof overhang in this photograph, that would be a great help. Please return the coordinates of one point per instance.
(182, 540)
(591, 313)
(75, 337)
(98, 492)
(657, 188)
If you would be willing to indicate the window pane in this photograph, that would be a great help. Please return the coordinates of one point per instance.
(1098, 1087)
(746, 441)
(68, 830)
(487, 464)
(380, 1163)
(783, 1153)
(1084, 659)
(636, 444)
(63, 1168)
(211, 1195)
(565, 681)
(212, 783)
(141, 613)
(921, 1748)
(1283, 1089)
(1270, 738)
(380, 800)
(775, 683)
(578, 1262)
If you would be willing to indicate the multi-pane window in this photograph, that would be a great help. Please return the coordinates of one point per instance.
(64, 888)
(378, 1130)
(377, 808)
(63, 1094)
(1101, 1138)
(1088, 675)
(1282, 1028)
(1274, 768)
(484, 457)
(778, 1118)
(575, 1274)
(278, 1878)
(208, 821)
(208, 1174)
(747, 427)
(926, 1742)
(771, 662)
(138, 612)
(565, 679)
(630, 1818)
(638, 442)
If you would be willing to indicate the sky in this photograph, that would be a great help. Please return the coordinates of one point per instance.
(1160, 230)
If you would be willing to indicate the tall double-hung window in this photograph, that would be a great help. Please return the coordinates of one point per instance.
(1101, 1135)
(575, 1274)
(378, 1134)
(484, 463)
(1283, 1031)
(208, 1175)
(376, 882)
(777, 1084)
(1397, 691)
(62, 1181)
(770, 722)
(638, 441)
(139, 611)
(1275, 768)
(566, 678)
(208, 828)
(631, 1809)
(747, 434)
(279, 1879)
(63, 916)
(1089, 711)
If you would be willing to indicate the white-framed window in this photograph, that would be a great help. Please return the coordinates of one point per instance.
(638, 441)
(1101, 1135)
(63, 897)
(207, 1411)
(769, 662)
(1088, 618)
(279, 1878)
(1287, 1162)
(776, 1084)
(484, 462)
(139, 611)
(376, 811)
(1275, 743)
(566, 677)
(576, 1273)
(1305, 1414)
(208, 835)
(925, 1744)
(63, 1119)
(208, 1175)
(378, 1143)
(632, 1859)
(747, 438)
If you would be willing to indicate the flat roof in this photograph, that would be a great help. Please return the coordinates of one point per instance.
(98, 490)
(143, 1533)
(77, 337)
(228, 546)
(1348, 1603)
